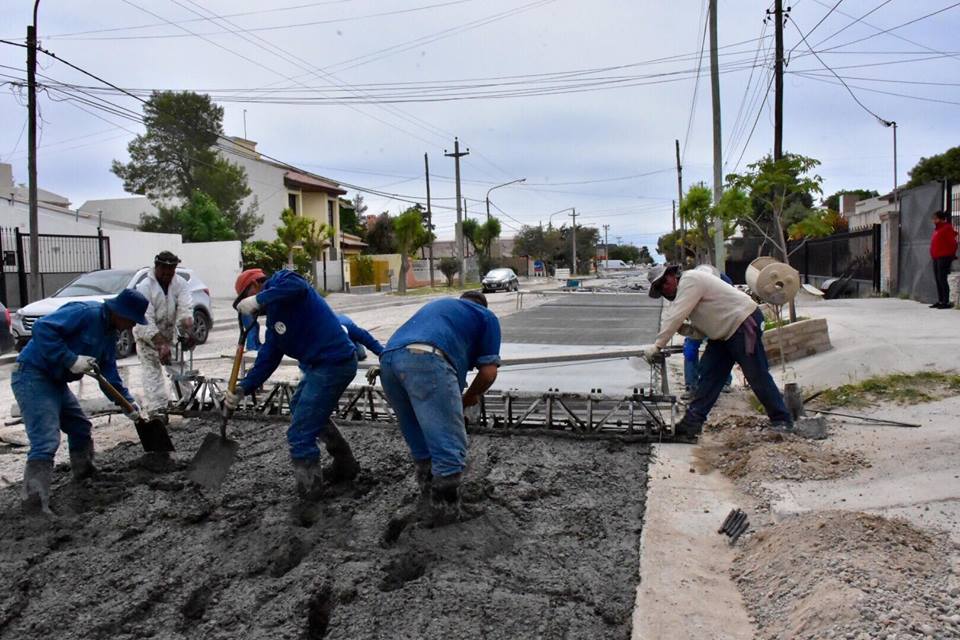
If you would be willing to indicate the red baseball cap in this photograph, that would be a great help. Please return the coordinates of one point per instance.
(247, 278)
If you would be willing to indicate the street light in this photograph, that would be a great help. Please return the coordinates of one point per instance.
(497, 187)
(892, 123)
(550, 219)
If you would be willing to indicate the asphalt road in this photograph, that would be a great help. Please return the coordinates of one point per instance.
(586, 319)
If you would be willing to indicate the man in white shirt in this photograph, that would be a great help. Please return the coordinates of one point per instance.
(733, 323)
(170, 308)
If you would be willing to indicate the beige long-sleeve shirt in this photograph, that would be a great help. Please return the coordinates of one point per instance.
(714, 307)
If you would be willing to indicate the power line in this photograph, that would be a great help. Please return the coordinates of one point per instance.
(814, 28)
(891, 29)
(850, 24)
(696, 83)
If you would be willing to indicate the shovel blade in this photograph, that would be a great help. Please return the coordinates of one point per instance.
(212, 462)
(154, 436)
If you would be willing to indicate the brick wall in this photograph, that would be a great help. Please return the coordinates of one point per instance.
(799, 340)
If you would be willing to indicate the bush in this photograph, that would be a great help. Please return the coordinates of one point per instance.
(362, 266)
(449, 268)
(272, 256)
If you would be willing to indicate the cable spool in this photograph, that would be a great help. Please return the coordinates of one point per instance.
(773, 281)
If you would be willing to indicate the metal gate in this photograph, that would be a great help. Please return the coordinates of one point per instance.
(62, 258)
(915, 273)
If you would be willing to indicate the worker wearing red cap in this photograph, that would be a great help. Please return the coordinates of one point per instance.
(302, 326)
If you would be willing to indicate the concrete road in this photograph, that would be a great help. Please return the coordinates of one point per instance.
(586, 319)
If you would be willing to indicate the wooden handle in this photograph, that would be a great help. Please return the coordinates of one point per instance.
(115, 395)
(235, 371)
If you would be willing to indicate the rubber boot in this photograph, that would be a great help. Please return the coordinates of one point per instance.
(445, 504)
(424, 474)
(309, 478)
(36, 486)
(344, 466)
(81, 463)
(687, 431)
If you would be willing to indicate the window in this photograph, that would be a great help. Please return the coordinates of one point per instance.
(292, 202)
(331, 215)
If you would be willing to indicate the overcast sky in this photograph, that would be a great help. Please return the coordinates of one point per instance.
(583, 147)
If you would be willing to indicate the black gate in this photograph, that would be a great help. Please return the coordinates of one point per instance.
(62, 258)
(854, 255)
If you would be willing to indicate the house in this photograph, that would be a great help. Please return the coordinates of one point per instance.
(868, 212)
(275, 187)
(121, 212)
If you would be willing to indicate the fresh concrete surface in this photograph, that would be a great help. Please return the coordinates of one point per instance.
(915, 473)
(875, 336)
(685, 587)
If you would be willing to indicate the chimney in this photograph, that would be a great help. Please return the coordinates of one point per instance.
(246, 147)
(848, 204)
(6, 180)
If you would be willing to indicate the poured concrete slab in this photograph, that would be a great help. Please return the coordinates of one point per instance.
(586, 319)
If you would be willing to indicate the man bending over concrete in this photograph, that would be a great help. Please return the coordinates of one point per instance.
(171, 308)
(733, 323)
(301, 325)
(423, 370)
(360, 337)
(73, 340)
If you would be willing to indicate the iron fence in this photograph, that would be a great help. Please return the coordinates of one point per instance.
(854, 255)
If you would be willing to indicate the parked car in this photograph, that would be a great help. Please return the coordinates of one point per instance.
(500, 280)
(103, 285)
(6, 333)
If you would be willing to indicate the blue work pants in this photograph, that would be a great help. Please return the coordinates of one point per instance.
(48, 407)
(746, 349)
(691, 364)
(424, 393)
(313, 402)
(253, 335)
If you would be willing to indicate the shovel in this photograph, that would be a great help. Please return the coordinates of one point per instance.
(217, 453)
(152, 433)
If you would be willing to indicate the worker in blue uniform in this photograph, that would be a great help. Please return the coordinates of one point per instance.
(423, 371)
(302, 326)
(74, 340)
(360, 337)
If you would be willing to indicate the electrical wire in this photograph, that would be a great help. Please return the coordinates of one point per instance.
(696, 83)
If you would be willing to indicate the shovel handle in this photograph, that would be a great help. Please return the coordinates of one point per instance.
(111, 391)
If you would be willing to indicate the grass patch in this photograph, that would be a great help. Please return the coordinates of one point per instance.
(430, 291)
(776, 324)
(902, 388)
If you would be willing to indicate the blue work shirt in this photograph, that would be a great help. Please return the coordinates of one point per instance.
(359, 335)
(75, 329)
(300, 324)
(468, 333)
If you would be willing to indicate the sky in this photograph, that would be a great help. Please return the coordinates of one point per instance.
(582, 99)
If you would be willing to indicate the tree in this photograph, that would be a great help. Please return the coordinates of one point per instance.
(316, 238)
(832, 202)
(774, 185)
(449, 268)
(166, 220)
(271, 257)
(201, 220)
(292, 232)
(700, 213)
(943, 166)
(625, 252)
(351, 212)
(177, 156)
(380, 236)
(411, 234)
(819, 224)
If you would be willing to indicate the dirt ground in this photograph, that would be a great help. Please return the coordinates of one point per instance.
(552, 552)
(841, 574)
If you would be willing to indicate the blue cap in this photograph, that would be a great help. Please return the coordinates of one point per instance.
(129, 304)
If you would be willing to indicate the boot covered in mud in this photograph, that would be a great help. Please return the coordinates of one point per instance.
(445, 506)
(687, 431)
(309, 478)
(423, 470)
(81, 462)
(36, 486)
(344, 467)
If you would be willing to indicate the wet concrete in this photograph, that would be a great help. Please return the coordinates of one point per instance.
(550, 552)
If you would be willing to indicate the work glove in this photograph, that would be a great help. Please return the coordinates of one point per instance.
(188, 341)
(231, 399)
(135, 415)
(651, 354)
(248, 306)
(83, 364)
(372, 374)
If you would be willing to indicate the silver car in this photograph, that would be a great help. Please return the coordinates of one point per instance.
(500, 280)
(102, 285)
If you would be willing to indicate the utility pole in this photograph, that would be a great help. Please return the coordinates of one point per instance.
(574, 216)
(426, 171)
(606, 245)
(456, 155)
(778, 81)
(32, 155)
(679, 256)
(717, 142)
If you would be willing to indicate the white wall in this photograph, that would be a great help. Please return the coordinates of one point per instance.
(14, 213)
(216, 263)
(135, 249)
(266, 185)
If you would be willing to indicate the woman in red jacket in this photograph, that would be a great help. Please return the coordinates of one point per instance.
(943, 251)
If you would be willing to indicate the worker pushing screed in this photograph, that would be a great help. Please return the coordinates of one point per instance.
(733, 323)
(170, 310)
(423, 370)
(77, 339)
(302, 326)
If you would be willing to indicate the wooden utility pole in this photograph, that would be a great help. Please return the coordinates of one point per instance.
(426, 171)
(679, 256)
(606, 245)
(778, 81)
(718, 252)
(573, 215)
(456, 155)
(34, 287)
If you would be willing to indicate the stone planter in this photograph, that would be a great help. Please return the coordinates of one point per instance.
(799, 339)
